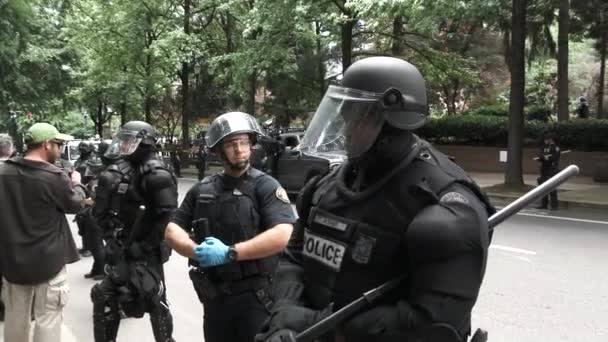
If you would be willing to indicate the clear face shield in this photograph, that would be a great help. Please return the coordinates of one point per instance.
(124, 143)
(347, 121)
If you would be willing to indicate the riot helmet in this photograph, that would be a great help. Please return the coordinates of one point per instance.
(231, 123)
(130, 136)
(85, 148)
(375, 91)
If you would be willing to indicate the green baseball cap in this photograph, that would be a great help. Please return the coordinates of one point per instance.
(42, 131)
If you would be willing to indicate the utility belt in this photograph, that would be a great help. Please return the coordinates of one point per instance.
(208, 289)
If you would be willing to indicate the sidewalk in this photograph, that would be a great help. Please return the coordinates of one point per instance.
(577, 192)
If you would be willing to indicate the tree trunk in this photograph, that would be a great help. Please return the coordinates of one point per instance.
(321, 66)
(148, 107)
(562, 61)
(397, 46)
(347, 43)
(123, 113)
(600, 88)
(253, 82)
(185, 78)
(514, 174)
(99, 119)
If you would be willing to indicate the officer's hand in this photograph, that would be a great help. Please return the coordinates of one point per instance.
(372, 324)
(211, 252)
(283, 335)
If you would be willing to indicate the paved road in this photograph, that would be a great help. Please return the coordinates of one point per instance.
(546, 281)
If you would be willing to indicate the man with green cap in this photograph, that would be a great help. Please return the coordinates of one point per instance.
(36, 240)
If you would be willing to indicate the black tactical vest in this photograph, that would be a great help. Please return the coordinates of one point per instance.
(355, 244)
(228, 209)
(125, 199)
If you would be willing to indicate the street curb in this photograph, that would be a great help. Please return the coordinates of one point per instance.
(564, 204)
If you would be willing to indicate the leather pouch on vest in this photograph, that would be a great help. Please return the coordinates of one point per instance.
(205, 289)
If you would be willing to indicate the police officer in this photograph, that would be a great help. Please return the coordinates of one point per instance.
(134, 251)
(81, 164)
(549, 167)
(239, 220)
(202, 160)
(397, 207)
(583, 108)
(95, 166)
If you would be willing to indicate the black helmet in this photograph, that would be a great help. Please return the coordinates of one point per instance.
(129, 137)
(85, 147)
(403, 89)
(374, 91)
(102, 148)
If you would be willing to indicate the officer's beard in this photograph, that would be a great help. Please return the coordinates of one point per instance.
(236, 167)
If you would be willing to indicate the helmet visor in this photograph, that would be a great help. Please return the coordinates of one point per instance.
(346, 120)
(123, 144)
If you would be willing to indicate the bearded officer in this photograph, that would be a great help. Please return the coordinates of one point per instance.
(135, 253)
(240, 219)
(397, 207)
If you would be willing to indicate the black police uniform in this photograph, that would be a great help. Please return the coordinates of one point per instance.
(94, 234)
(135, 283)
(235, 296)
(82, 220)
(426, 220)
(202, 162)
(549, 166)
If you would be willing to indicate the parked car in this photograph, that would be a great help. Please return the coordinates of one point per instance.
(299, 160)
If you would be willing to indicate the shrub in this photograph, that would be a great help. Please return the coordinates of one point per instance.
(499, 110)
(538, 113)
(579, 134)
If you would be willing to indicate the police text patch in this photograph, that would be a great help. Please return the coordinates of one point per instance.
(323, 250)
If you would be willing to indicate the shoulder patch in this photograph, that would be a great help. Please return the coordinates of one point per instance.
(452, 197)
(282, 195)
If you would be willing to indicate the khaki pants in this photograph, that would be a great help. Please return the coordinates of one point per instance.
(46, 301)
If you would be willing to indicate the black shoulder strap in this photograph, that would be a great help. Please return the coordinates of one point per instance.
(452, 173)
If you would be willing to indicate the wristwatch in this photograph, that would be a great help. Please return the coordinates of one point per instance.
(232, 254)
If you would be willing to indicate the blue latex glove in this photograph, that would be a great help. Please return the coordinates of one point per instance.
(211, 252)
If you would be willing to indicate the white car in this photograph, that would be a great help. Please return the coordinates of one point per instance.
(70, 149)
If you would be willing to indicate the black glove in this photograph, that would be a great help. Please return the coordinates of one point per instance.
(371, 324)
(293, 318)
(283, 335)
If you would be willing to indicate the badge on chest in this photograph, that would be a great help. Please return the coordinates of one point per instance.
(323, 250)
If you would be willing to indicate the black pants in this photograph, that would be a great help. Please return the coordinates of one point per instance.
(235, 318)
(552, 196)
(94, 242)
(201, 171)
(177, 168)
(106, 313)
(81, 222)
